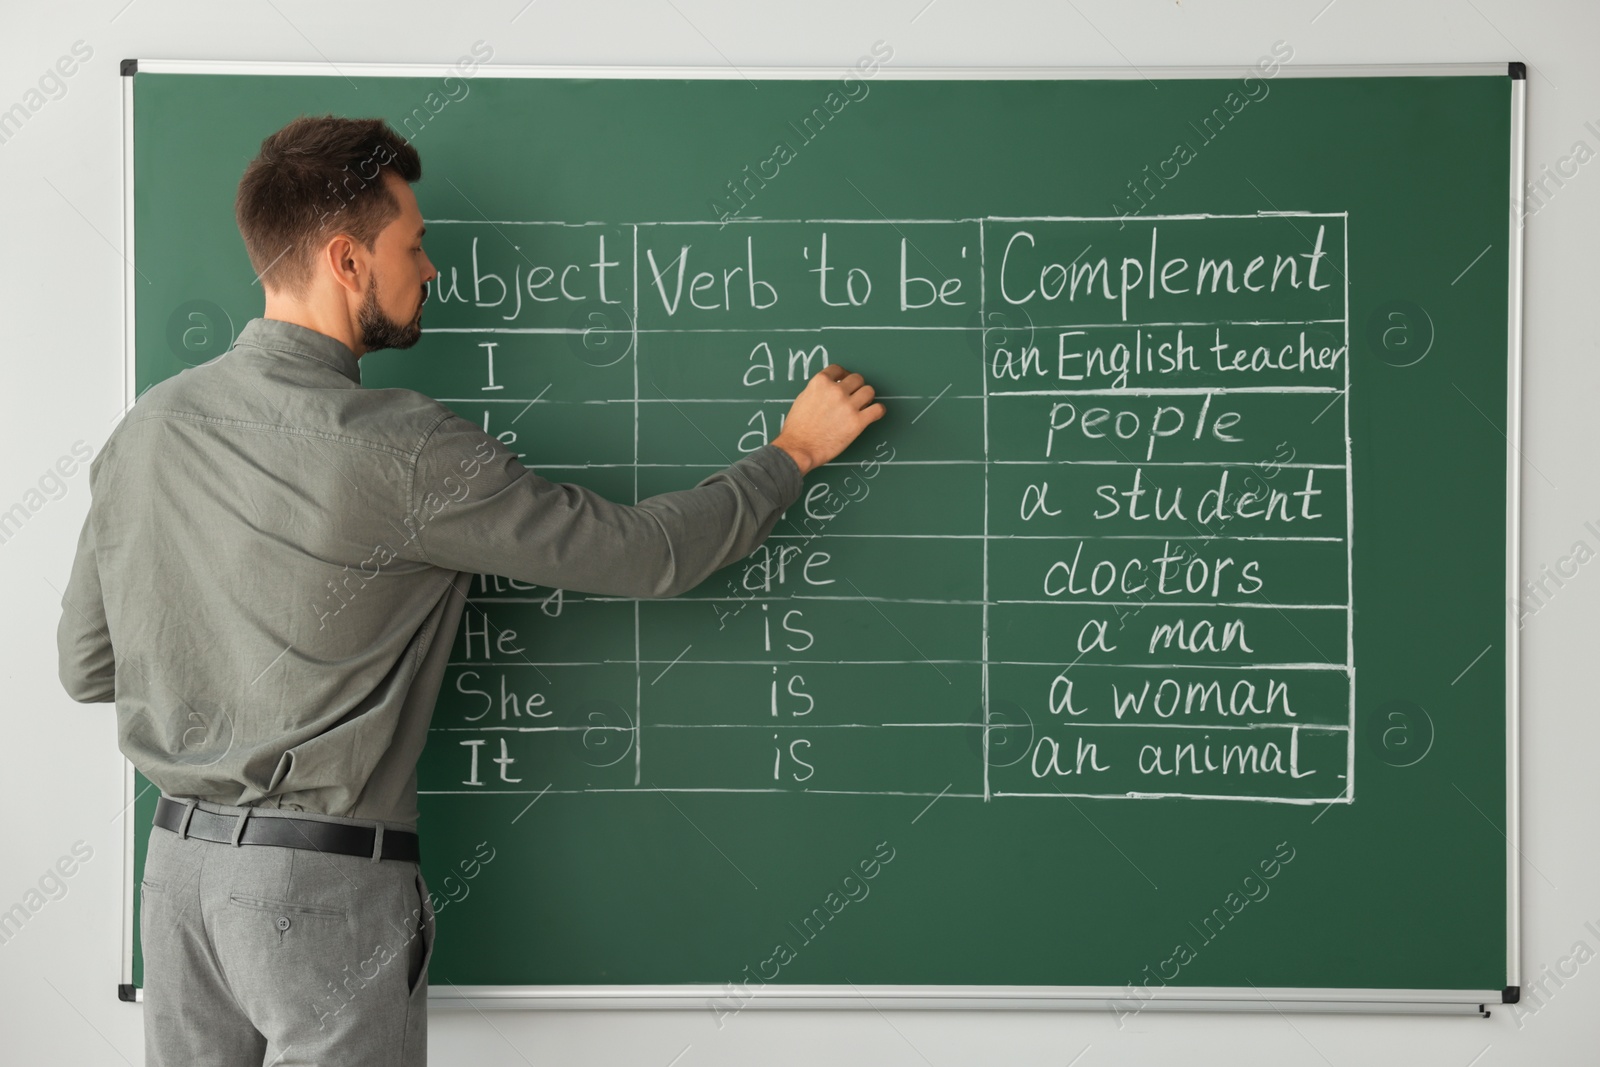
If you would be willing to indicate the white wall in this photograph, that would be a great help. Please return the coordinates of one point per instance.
(61, 335)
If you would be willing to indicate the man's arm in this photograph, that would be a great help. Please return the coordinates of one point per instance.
(88, 665)
(475, 507)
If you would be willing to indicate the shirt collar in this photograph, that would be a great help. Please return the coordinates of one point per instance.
(275, 335)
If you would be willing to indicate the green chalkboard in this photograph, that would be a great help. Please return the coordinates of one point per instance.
(1157, 638)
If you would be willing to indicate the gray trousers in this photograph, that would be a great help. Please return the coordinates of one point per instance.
(261, 955)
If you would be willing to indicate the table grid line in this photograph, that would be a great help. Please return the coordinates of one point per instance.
(983, 374)
(638, 687)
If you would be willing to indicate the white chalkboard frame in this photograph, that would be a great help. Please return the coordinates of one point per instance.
(1097, 998)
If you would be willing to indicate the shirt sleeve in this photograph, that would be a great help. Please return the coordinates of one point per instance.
(87, 664)
(475, 507)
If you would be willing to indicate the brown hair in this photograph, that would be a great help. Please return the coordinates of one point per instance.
(317, 177)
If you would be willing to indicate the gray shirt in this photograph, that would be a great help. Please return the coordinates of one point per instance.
(276, 560)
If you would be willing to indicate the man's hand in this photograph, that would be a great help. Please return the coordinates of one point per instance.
(828, 414)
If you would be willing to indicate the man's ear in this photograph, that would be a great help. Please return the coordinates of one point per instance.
(342, 256)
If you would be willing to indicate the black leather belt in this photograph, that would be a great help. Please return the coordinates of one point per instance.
(287, 832)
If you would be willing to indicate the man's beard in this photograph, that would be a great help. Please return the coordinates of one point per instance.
(379, 331)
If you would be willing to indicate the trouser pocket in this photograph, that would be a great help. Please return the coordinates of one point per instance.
(294, 918)
(422, 950)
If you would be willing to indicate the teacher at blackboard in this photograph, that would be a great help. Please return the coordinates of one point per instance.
(268, 583)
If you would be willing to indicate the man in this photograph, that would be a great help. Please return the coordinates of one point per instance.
(284, 916)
